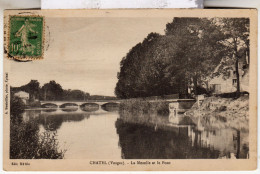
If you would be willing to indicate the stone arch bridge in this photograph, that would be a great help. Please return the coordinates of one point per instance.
(62, 104)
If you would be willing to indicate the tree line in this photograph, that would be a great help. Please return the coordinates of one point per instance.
(54, 91)
(185, 56)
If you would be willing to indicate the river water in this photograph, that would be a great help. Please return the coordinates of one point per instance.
(104, 135)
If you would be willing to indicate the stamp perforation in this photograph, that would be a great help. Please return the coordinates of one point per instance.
(27, 57)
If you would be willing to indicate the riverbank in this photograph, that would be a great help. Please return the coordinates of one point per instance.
(33, 104)
(26, 141)
(218, 113)
(215, 113)
(143, 106)
(141, 111)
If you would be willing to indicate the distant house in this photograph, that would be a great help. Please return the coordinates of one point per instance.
(23, 95)
(226, 85)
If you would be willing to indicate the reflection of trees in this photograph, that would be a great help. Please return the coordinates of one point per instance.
(142, 142)
(54, 122)
(49, 110)
(69, 109)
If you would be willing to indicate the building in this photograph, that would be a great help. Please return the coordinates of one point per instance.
(23, 95)
(228, 84)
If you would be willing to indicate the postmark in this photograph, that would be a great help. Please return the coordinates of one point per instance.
(26, 37)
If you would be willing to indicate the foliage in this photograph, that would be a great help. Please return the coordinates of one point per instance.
(27, 143)
(54, 91)
(201, 90)
(199, 45)
(168, 64)
(75, 95)
(101, 97)
(236, 42)
(17, 107)
(185, 57)
(141, 107)
(25, 140)
(33, 88)
(143, 71)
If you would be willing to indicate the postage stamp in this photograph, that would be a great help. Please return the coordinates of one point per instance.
(26, 37)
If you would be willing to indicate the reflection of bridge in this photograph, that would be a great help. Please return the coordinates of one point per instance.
(61, 104)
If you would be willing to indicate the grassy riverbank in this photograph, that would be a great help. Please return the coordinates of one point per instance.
(142, 106)
(144, 112)
(217, 113)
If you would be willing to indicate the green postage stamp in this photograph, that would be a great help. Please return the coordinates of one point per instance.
(26, 35)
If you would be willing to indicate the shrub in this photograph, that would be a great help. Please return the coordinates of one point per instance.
(25, 140)
(27, 143)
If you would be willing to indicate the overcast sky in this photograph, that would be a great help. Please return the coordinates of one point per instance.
(85, 53)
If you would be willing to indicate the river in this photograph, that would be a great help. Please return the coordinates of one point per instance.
(104, 135)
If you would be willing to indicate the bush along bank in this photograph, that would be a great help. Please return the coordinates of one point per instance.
(144, 112)
(218, 113)
(26, 141)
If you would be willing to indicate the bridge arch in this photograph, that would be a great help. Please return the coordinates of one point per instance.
(89, 107)
(49, 105)
(110, 106)
(69, 105)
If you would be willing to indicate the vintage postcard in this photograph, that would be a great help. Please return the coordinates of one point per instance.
(130, 90)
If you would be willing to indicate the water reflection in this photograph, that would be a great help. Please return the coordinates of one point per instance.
(49, 110)
(84, 135)
(179, 142)
(103, 134)
(51, 121)
(69, 109)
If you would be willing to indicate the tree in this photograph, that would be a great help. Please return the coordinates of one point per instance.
(186, 56)
(52, 91)
(199, 45)
(144, 70)
(75, 95)
(33, 88)
(130, 80)
(236, 31)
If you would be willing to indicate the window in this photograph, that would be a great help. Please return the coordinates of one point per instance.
(218, 88)
(234, 81)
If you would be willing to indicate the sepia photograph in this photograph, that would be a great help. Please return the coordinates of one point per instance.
(120, 89)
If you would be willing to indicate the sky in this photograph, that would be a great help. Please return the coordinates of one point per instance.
(85, 53)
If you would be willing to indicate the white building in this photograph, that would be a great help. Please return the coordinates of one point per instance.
(23, 95)
(229, 84)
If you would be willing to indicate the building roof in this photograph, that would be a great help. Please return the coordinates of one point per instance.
(22, 94)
